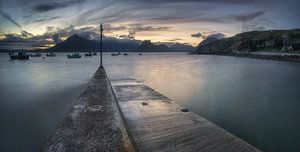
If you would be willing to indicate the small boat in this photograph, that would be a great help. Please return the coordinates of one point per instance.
(36, 55)
(19, 56)
(116, 54)
(88, 54)
(125, 54)
(94, 53)
(140, 54)
(74, 55)
(51, 54)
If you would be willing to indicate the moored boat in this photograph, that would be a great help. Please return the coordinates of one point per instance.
(116, 54)
(74, 55)
(19, 56)
(36, 55)
(88, 54)
(50, 54)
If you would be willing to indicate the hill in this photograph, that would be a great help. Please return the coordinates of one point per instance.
(148, 46)
(178, 47)
(254, 41)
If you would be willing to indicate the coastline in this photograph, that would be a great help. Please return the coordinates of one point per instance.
(286, 58)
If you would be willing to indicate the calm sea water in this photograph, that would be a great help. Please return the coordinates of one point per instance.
(257, 100)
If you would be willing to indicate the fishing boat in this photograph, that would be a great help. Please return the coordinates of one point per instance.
(19, 56)
(50, 54)
(116, 54)
(74, 55)
(88, 54)
(36, 55)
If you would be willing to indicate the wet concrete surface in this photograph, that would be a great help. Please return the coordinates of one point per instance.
(93, 124)
(130, 116)
(156, 123)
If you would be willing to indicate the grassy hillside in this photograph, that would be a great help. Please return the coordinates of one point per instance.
(253, 41)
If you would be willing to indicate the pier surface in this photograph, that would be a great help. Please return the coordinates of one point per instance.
(125, 115)
(93, 124)
(156, 123)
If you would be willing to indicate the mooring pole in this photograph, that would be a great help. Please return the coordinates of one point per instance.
(101, 33)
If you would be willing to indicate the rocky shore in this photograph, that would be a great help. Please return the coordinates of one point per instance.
(288, 58)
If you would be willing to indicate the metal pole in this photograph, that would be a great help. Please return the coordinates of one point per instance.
(101, 31)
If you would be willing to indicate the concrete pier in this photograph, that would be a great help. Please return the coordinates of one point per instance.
(156, 123)
(93, 124)
(125, 115)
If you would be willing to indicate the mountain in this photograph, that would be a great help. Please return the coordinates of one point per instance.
(207, 41)
(75, 43)
(242, 43)
(148, 46)
(110, 44)
(80, 44)
(178, 47)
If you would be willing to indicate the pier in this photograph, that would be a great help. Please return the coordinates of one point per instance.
(126, 115)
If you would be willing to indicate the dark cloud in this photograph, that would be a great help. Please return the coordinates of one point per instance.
(257, 25)
(210, 1)
(51, 37)
(175, 39)
(9, 18)
(111, 28)
(198, 35)
(26, 34)
(253, 21)
(248, 17)
(46, 19)
(216, 35)
(56, 38)
(54, 5)
(206, 35)
(141, 28)
(15, 41)
(135, 28)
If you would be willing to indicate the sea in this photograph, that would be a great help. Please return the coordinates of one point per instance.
(256, 100)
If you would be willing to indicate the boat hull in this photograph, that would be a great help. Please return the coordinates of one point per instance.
(16, 57)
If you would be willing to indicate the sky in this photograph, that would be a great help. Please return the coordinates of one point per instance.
(43, 23)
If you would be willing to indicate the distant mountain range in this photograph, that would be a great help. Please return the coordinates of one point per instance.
(147, 46)
(80, 44)
(244, 43)
(76, 43)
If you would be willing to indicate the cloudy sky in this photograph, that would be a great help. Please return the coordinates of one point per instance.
(42, 23)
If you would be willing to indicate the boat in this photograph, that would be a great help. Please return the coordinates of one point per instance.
(94, 53)
(140, 54)
(74, 55)
(88, 54)
(116, 54)
(19, 56)
(50, 54)
(36, 55)
(125, 54)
